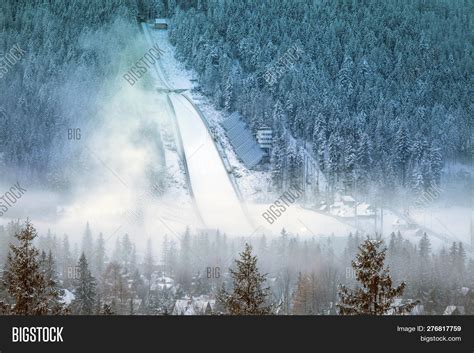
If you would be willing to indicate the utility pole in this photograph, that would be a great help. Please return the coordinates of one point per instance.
(375, 218)
(381, 214)
(355, 200)
(472, 234)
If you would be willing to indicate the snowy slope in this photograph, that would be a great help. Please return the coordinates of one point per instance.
(214, 194)
(213, 191)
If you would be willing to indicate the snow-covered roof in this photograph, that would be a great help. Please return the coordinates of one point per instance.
(161, 20)
(453, 309)
(244, 143)
(160, 281)
(200, 306)
(399, 222)
(341, 209)
(180, 307)
(365, 209)
(347, 198)
(193, 306)
(418, 309)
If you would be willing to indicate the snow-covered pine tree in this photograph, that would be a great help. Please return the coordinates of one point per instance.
(279, 150)
(277, 161)
(65, 261)
(160, 302)
(345, 75)
(149, 264)
(302, 300)
(436, 164)
(24, 279)
(52, 290)
(126, 253)
(349, 164)
(248, 296)
(432, 303)
(334, 158)
(319, 139)
(417, 181)
(227, 95)
(84, 290)
(99, 257)
(298, 125)
(87, 242)
(184, 275)
(461, 262)
(295, 165)
(453, 258)
(115, 291)
(402, 149)
(376, 294)
(363, 161)
(424, 262)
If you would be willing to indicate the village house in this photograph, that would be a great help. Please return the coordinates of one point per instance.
(161, 23)
(201, 305)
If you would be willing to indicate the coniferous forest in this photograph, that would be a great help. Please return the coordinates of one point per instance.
(378, 94)
(372, 97)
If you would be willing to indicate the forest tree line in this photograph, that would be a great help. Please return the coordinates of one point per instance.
(300, 276)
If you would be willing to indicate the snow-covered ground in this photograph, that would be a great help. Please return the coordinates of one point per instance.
(453, 222)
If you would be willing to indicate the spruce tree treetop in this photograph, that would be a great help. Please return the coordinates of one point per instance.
(376, 294)
(248, 297)
(84, 290)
